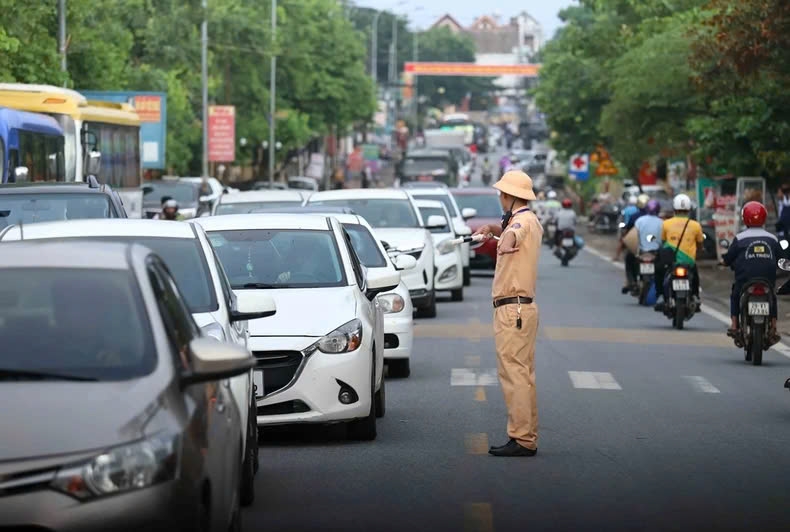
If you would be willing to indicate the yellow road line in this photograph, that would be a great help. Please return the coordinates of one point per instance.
(480, 394)
(478, 517)
(476, 443)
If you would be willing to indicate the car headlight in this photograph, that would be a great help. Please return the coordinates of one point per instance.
(344, 339)
(445, 246)
(391, 303)
(214, 330)
(129, 467)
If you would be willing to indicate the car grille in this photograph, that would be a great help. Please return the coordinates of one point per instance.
(280, 409)
(279, 368)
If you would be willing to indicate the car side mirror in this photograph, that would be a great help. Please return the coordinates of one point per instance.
(252, 305)
(435, 222)
(213, 360)
(386, 245)
(724, 243)
(380, 281)
(404, 262)
(94, 163)
(468, 213)
(21, 174)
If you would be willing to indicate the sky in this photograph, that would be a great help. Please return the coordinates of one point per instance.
(545, 11)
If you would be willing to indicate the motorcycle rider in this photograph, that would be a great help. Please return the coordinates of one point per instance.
(566, 219)
(486, 170)
(631, 214)
(650, 224)
(550, 209)
(675, 251)
(753, 254)
(170, 211)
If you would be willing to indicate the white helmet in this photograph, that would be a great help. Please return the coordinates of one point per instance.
(681, 203)
(632, 200)
(551, 195)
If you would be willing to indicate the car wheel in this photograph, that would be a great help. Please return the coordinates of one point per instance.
(429, 311)
(457, 295)
(248, 468)
(399, 368)
(381, 399)
(365, 429)
(467, 276)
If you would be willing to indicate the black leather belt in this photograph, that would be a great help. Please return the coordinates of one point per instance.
(519, 300)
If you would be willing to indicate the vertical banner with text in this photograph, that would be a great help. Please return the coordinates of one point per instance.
(221, 133)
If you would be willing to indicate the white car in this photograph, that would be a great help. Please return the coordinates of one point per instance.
(459, 217)
(217, 189)
(217, 310)
(448, 257)
(321, 358)
(397, 221)
(248, 201)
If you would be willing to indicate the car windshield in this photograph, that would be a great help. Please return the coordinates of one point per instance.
(73, 324)
(279, 258)
(444, 198)
(187, 265)
(32, 208)
(251, 206)
(379, 213)
(424, 165)
(184, 193)
(301, 185)
(365, 246)
(486, 205)
(426, 212)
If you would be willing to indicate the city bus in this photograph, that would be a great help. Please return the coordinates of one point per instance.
(31, 147)
(92, 130)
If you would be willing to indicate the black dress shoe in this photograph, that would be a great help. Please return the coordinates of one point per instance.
(509, 442)
(512, 448)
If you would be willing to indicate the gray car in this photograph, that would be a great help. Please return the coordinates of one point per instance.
(122, 418)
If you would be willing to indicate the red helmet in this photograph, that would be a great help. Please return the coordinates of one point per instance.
(754, 214)
(567, 203)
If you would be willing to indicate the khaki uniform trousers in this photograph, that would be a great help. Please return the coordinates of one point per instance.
(515, 349)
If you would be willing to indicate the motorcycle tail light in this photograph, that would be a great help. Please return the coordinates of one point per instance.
(758, 290)
(680, 271)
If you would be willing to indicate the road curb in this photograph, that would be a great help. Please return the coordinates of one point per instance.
(780, 348)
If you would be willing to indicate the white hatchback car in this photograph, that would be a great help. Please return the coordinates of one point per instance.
(397, 221)
(321, 358)
(449, 261)
(217, 310)
(251, 200)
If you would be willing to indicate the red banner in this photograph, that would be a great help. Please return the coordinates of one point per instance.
(148, 107)
(221, 133)
(470, 69)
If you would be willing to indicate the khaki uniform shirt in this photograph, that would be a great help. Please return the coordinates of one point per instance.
(517, 273)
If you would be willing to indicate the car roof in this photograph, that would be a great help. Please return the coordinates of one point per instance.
(428, 191)
(474, 191)
(261, 196)
(327, 210)
(112, 227)
(359, 193)
(64, 254)
(429, 204)
(50, 188)
(238, 222)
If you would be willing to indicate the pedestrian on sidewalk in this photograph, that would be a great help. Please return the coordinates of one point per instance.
(515, 312)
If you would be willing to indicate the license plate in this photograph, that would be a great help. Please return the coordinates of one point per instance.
(680, 285)
(647, 268)
(759, 309)
(425, 178)
(567, 242)
(257, 379)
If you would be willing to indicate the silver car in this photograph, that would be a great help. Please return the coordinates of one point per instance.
(122, 418)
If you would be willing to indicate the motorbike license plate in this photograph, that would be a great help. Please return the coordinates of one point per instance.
(257, 380)
(680, 285)
(647, 268)
(759, 309)
(567, 242)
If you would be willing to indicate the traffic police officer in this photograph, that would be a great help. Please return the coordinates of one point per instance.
(515, 312)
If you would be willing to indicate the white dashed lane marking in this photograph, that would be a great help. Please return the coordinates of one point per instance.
(701, 384)
(592, 380)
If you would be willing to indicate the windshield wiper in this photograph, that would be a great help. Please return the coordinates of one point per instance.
(260, 285)
(24, 374)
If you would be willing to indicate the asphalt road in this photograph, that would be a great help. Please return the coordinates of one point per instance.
(641, 428)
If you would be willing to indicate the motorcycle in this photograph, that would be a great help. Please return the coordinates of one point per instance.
(646, 275)
(606, 221)
(486, 176)
(549, 234)
(567, 249)
(679, 305)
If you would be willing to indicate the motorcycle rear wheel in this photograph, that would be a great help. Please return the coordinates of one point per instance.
(678, 320)
(756, 345)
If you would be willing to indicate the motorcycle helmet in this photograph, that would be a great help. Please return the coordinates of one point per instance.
(642, 200)
(653, 207)
(754, 214)
(551, 195)
(681, 203)
(567, 203)
(632, 200)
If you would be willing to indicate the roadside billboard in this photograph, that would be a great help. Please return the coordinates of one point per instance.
(221, 133)
(151, 107)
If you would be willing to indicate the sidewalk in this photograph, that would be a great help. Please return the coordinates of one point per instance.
(715, 281)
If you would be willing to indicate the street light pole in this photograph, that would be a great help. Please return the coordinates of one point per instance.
(374, 50)
(62, 35)
(204, 82)
(415, 94)
(272, 93)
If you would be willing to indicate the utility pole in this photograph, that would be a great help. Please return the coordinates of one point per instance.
(272, 93)
(204, 81)
(415, 94)
(374, 50)
(62, 36)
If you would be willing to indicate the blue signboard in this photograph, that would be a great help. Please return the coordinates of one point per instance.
(152, 109)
